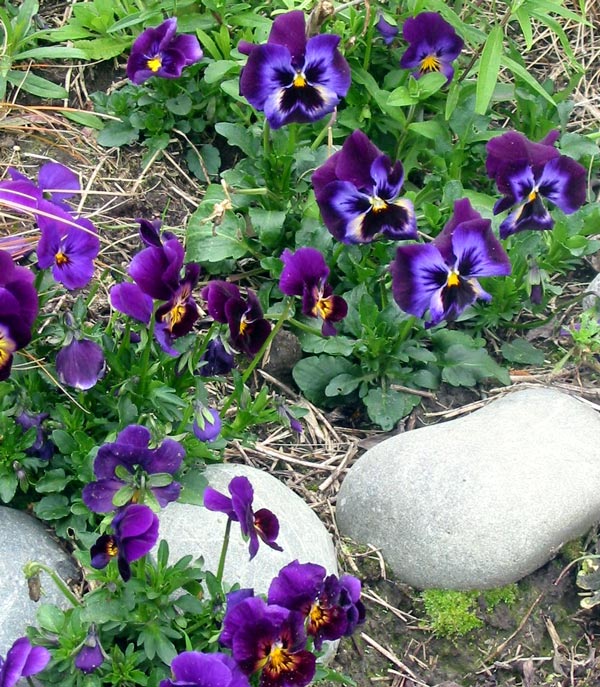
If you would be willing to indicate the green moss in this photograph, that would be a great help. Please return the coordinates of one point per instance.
(454, 614)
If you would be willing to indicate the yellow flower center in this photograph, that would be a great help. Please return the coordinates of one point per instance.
(323, 308)
(532, 196)
(377, 204)
(280, 660)
(61, 259)
(453, 279)
(244, 324)
(154, 63)
(431, 63)
(7, 348)
(299, 80)
(111, 548)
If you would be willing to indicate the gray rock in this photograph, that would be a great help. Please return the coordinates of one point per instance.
(23, 539)
(197, 531)
(594, 293)
(479, 501)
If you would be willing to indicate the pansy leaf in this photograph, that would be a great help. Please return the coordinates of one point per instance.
(52, 481)
(464, 366)
(238, 135)
(159, 479)
(523, 352)
(180, 105)
(342, 385)
(123, 496)
(50, 618)
(314, 373)
(8, 485)
(386, 407)
(268, 224)
(489, 65)
(52, 507)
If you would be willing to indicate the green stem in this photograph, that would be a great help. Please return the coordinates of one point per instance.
(267, 148)
(223, 556)
(409, 119)
(34, 568)
(305, 327)
(145, 361)
(368, 43)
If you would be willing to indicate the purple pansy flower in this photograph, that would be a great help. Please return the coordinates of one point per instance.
(18, 310)
(386, 30)
(159, 52)
(68, 245)
(196, 669)
(433, 45)
(91, 655)
(22, 660)
(135, 531)
(56, 183)
(525, 173)
(207, 425)
(254, 525)
(216, 360)
(292, 79)
(305, 274)
(269, 639)
(331, 606)
(42, 447)
(248, 329)
(131, 452)
(357, 192)
(442, 276)
(80, 364)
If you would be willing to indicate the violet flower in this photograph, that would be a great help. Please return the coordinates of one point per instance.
(68, 245)
(18, 310)
(292, 79)
(159, 52)
(305, 274)
(207, 424)
(42, 448)
(357, 192)
(248, 328)
(196, 669)
(386, 30)
(525, 173)
(442, 276)
(331, 606)
(56, 183)
(269, 639)
(433, 45)
(90, 656)
(22, 660)
(130, 451)
(260, 524)
(216, 360)
(135, 531)
(80, 364)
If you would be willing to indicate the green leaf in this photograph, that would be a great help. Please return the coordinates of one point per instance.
(64, 442)
(489, 67)
(8, 485)
(464, 366)
(334, 345)
(209, 242)
(238, 135)
(54, 52)
(50, 618)
(314, 373)
(52, 480)
(103, 48)
(215, 71)
(525, 76)
(342, 385)
(193, 484)
(431, 129)
(180, 105)
(117, 134)
(52, 507)
(36, 85)
(386, 407)
(523, 352)
(268, 224)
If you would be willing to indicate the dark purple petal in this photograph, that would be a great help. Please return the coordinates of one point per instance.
(386, 30)
(103, 551)
(289, 30)
(247, 327)
(478, 252)
(80, 364)
(157, 270)
(532, 215)
(165, 339)
(268, 70)
(59, 180)
(296, 586)
(189, 47)
(98, 496)
(207, 429)
(129, 299)
(218, 361)
(180, 312)
(166, 458)
(324, 65)
(167, 494)
(266, 525)
(22, 660)
(514, 150)
(136, 531)
(90, 656)
(304, 267)
(195, 669)
(563, 182)
(418, 272)
(215, 501)
(20, 195)
(150, 232)
(387, 178)
(216, 294)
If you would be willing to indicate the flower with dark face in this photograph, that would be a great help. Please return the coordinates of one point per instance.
(68, 245)
(305, 274)
(525, 173)
(90, 656)
(386, 30)
(22, 660)
(357, 192)
(216, 360)
(80, 364)
(248, 328)
(442, 276)
(159, 52)
(18, 310)
(331, 606)
(433, 45)
(196, 669)
(269, 639)
(130, 451)
(254, 525)
(135, 531)
(292, 79)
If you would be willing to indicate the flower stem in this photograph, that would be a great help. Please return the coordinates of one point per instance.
(34, 568)
(223, 556)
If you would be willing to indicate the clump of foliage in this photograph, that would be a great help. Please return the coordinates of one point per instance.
(452, 613)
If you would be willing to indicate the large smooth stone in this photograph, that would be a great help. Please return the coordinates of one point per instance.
(480, 501)
(197, 531)
(23, 539)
